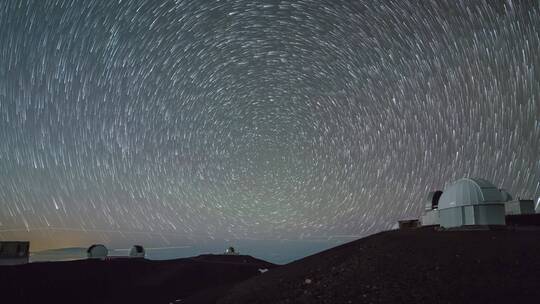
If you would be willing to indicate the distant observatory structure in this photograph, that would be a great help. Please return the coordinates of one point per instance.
(14, 252)
(475, 202)
(231, 251)
(137, 251)
(97, 251)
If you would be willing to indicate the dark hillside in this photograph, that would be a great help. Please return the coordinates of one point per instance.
(123, 280)
(408, 266)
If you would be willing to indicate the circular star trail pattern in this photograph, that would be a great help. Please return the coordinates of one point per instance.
(260, 119)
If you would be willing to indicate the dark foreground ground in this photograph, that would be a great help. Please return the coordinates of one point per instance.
(415, 266)
(407, 266)
(124, 280)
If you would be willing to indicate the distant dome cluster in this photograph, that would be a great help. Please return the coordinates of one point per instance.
(100, 252)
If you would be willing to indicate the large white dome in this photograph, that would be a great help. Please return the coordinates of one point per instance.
(470, 191)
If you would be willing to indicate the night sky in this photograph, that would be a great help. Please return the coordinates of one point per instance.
(257, 119)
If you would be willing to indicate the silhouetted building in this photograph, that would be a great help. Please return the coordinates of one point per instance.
(14, 252)
(519, 206)
(409, 224)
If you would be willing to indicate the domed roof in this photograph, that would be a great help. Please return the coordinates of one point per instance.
(137, 251)
(97, 251)
(470, 191)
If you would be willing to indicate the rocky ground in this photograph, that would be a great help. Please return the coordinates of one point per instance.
(401, 266)
(407, 266)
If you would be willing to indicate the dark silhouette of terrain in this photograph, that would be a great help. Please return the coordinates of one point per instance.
(402, 266)
(123, 280)
(406, 266)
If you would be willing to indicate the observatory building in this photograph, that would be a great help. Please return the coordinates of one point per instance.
(231, 251)
(518, 206)
(14, 253)
(137, 251)
(471, 201)
(97, 251)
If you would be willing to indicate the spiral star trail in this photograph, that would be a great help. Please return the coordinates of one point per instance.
(259, 119)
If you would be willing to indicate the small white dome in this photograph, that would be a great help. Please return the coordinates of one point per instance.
(97, 251)
(137, 251)
(231, 251)
(470, 191)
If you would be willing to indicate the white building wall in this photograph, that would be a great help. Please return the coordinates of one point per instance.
(484, 214)
(430, 218)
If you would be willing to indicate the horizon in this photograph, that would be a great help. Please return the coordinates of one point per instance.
(275, 251)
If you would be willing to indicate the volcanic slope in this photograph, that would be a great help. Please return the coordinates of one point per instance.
(408, 266)
(124, 280)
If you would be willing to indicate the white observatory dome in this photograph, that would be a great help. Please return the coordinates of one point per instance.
(137, 251)
(231, 251)
(470, 191)
(97, 251)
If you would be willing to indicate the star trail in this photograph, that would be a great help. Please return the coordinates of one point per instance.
(259, 119)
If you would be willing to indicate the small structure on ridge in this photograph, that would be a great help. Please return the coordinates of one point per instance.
(408, 224)
(137, 251)
(97, 251)
(231, 251)
(518, 206)
(14, 252)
